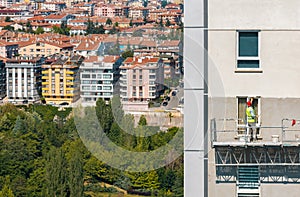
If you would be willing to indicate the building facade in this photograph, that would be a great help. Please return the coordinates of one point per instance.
(23, 80)
(60, 80)
(2, 80)
(98, 76)
(254, 46)
(44, 48)
(8, 49)
(142, 78)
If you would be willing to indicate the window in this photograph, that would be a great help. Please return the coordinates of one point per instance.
(85, 76)
(248, 49)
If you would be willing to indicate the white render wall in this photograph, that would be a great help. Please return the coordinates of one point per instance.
(195, 94)
(279, 25)
(279, 62)
(262, 14)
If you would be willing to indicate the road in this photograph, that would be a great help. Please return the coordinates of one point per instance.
(174, 101)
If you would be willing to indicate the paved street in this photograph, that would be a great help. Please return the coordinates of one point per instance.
(174, 102)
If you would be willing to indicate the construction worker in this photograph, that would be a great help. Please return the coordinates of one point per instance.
(251, 120)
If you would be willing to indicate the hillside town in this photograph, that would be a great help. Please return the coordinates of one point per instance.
(60, 52)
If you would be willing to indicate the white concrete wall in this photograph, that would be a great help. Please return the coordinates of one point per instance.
(254, 14)
(279, 64)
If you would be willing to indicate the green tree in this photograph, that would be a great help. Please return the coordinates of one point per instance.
(20, 126)
(99, 30)
(145, 180)
(90, 27)
(8, 19)
(113, 30)
(6, 190)
(108, 21)
(29, 27)
(56, 173)
(76, 170)
(142, 121)
(128, 53)
(39, 30)
(168, 23)
(161, 22)
(104, 114)
(164, 3)
(130, 23)
(117, 108)
(9, 28)
(178, 184)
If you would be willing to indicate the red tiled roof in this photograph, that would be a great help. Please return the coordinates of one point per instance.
(110, 59)
(55, 16)
(91, 59)
(3, 24)
(134, 61)
(37, 18)
(87, 45)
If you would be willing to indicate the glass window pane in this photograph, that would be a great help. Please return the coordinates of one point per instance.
(248, 64)
(248, 44)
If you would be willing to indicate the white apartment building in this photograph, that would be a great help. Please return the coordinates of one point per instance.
(23, 80)
(98, 76)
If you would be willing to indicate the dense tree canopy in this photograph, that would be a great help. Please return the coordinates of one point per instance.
(42, 154)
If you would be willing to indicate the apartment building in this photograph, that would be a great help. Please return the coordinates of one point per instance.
(23, 80)
(2, 80)
(142, 79)
(43, 48)
(98, 76)
(54, 6)
(138, 12)
(8, 49)
(235, 51)
(58, 18)
(108, 10)
(60, 80)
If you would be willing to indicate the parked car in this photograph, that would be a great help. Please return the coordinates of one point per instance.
(181, 101)
(174, 93)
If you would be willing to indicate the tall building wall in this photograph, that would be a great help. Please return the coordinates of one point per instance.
(273, 81)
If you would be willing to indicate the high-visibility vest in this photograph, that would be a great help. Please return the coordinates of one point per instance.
(250, 114)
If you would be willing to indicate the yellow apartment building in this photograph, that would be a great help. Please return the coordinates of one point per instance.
(60, 79)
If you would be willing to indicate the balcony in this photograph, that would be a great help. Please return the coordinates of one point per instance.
(70, 83)
(69, 77)
(45, 83)
(70, 72)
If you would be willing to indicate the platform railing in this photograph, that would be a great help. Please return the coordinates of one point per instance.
(230, 130)
(290, 130)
